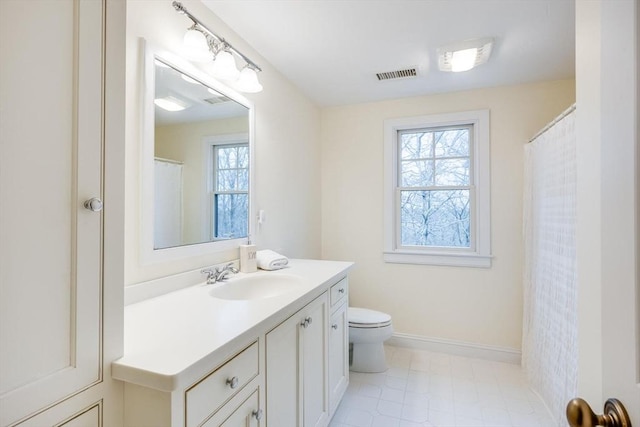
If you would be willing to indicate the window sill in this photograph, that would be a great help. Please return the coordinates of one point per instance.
(434, 258)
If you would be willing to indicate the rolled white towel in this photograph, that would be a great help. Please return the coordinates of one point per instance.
(271, 260)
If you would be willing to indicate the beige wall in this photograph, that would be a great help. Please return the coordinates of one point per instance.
(287, 147)
(482, 306)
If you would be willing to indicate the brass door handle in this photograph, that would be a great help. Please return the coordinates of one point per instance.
(580, 414)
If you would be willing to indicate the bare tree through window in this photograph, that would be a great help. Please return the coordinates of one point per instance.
(434, 182)
(231, 191)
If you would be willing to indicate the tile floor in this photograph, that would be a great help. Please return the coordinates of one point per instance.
(427, 389)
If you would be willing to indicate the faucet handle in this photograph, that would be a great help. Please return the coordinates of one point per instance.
(231, 268)
(212, 275)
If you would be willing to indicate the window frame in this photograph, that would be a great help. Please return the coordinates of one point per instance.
(479, 254)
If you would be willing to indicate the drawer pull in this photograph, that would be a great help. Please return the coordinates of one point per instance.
(257, 414)
(335, 326)
(341, 290)
(233, 382)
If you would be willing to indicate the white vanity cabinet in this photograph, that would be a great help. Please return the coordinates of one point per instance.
(277, 361)
(296, 368)
(338, 344)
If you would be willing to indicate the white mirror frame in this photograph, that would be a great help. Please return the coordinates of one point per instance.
(150, 255)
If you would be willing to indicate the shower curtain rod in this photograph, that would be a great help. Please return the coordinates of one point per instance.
(562, 115)
(175, 162)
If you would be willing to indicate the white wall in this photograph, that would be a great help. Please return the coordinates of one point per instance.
(607, 118)
(482, 306)
(287, 175)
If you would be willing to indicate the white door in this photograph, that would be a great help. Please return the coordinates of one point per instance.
(51, 136)
(608, 203)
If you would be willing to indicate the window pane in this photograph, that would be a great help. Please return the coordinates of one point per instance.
(417, 173)
(231, 213)
(233, 157)
(452, 143)
(232, 180)
(435, 218)
(452, 171)
(416, 145)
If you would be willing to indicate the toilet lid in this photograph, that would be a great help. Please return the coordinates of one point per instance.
(364, 317)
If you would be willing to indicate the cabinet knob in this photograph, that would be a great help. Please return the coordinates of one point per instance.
(94, 204)
(232, 382)
(334, 326)
(341, 290)
(306, 322)
(257, 414)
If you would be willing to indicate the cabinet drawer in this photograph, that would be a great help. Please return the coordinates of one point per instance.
(207, 396)
(339, 291)
(247, 414)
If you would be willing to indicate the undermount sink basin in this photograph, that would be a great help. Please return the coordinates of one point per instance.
(257, 287)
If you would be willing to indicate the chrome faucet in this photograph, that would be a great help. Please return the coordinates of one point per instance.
(218, 274)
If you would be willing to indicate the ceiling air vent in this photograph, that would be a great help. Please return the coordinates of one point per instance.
(400, 74)
(216, 100)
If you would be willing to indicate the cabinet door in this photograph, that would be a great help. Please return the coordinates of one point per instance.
(282, 374)
(314, 364)
(51, 98)
(296, 368)
(338, 357)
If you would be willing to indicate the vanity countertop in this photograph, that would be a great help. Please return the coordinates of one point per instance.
(172, 340)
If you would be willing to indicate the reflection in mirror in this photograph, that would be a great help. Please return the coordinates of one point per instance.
(201, 167)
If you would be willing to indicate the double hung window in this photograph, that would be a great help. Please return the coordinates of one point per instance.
(437, 190)
(230, 190)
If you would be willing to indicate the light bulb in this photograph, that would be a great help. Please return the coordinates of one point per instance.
(196, 46)
(464, 60)
(224, 66)
(248, 81)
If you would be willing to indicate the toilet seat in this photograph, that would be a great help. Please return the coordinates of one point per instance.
(364, 318)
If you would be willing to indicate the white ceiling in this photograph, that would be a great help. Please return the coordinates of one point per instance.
(332, 49)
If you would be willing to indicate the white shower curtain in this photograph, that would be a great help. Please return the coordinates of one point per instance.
(549, 348)
(167, 227)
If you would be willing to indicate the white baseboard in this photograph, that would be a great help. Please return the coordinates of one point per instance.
(458, 348)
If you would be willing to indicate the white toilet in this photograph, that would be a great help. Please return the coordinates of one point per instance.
(368, 329)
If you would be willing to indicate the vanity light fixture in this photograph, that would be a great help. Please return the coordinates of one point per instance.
(465, 55)
(248, 80)
(202, 44)
(196, 46)
(224, 66)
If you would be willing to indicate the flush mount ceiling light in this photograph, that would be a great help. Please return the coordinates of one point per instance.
(170, 103)
(201, 44)
(464, 55)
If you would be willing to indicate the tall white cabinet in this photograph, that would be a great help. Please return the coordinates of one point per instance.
(61, 134)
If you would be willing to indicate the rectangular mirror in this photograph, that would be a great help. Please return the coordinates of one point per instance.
(197, 160)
